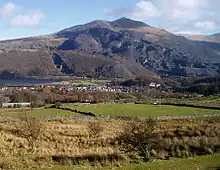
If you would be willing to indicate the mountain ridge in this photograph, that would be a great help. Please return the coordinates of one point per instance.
(206, 38)
(122, 48)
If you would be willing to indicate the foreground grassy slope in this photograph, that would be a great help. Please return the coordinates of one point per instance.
(200, 162)
(66, 142)
(141, 110)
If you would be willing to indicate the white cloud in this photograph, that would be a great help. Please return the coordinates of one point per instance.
(175, 15)
(189, 32)
(143, 10)
(16, 16)
(7, 10)
(28, 20)
(210, 25)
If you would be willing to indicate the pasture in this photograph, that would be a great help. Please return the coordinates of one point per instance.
(70, 143)
(141, 110)
(137, 110)
(210, 162)
(35, 112)
(198, 101)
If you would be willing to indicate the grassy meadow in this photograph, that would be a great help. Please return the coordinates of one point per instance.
(141, 110)
(64, 143)
(210, 162)
(35, 112)
(199, 101)
(137, 110)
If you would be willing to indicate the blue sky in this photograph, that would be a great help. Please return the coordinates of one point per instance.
(21, 18)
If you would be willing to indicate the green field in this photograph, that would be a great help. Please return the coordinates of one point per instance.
(198, 163)
(199, 101)
(141, 110)
(36, 112)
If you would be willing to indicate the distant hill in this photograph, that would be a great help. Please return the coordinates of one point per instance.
(123, 48)
(208, 38)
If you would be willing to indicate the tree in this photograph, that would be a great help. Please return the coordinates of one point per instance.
(29, 128)
(3, 99)
(137, 136)
(58, 104)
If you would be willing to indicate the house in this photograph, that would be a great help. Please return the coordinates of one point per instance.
(14, 105)
(158, 85)
(155, 85)
(152, 85)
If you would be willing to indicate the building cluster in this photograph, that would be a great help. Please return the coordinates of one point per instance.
(71, 88)
(56, 88)
(79, 88)
(155, 85)
(15, 105)
(20, 88)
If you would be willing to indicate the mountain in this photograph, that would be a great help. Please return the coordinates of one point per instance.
(123, 48)
(127, 23)
(207, 38)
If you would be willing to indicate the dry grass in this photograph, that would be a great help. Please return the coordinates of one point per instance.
(68, 142)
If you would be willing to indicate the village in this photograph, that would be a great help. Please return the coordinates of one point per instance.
(69, 88)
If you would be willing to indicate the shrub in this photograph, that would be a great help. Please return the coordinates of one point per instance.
(95, 128)
(58, 104)
(138, 137)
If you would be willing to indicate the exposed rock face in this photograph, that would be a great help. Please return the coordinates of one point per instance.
(122, 48)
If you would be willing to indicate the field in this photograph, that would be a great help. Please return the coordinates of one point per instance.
(210, 162)
(199, 101)
(141, 110)
(86, 143)
(36, 112)
(137, 110)
(72, 143)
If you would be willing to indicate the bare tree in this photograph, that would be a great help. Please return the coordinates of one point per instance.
(137, 136)
(29, 128)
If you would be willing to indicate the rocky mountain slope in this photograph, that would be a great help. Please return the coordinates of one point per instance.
(122, 48)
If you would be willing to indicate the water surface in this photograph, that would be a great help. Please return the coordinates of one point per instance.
(27, 81)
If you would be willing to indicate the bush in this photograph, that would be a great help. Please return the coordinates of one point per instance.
(137, 136)
(58, 104)
(95, 128)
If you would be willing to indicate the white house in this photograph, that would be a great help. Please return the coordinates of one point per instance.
(152, 85)
(16, 104)
(158, 85)
(155, 85)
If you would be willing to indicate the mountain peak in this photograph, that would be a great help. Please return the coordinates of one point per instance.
(99, 23)
(128, 23)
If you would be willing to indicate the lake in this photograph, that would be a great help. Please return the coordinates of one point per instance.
(27, 81)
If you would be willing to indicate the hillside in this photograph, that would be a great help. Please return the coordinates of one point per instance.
(208, 38)
(123, 48)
